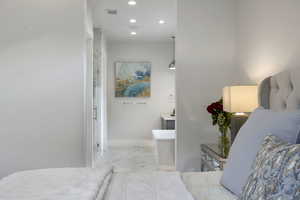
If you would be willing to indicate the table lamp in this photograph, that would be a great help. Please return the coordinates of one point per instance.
(239, 100)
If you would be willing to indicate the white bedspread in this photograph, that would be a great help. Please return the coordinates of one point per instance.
(56, 184)
(206, 186)
(147, 186)
(103, 184)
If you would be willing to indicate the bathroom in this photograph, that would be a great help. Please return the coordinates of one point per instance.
(133, 121)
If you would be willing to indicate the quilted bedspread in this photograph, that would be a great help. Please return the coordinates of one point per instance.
(206, 186)
(148, 186)
(56, 184)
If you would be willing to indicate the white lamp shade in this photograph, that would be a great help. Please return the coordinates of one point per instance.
(240, 99)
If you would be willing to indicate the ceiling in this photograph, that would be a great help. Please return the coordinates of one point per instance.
(146, 12)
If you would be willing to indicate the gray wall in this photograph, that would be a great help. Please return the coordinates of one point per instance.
(41, 84)
(132, 123)
(268, 37)
(205, 64)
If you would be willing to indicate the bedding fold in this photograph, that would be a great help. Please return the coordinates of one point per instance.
(206, 186)
(147, 186)
(56, 184)
(104, 187)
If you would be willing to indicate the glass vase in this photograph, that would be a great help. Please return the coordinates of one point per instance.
(224, 142)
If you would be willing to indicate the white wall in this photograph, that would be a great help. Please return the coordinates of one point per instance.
(205, 64)
(265, 34)
(41, 84)
(268, 37)
(134, 122)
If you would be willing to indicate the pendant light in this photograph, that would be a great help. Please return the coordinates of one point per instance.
(172, 64)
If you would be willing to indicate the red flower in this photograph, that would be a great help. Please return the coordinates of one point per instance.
(215, 108)
(210, 109)
(219, 106)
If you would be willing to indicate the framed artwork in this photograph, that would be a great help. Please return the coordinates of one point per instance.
(132, 79)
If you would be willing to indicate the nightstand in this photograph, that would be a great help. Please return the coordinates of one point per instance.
(211, 159)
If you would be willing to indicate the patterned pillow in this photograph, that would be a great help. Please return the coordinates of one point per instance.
(275, 173)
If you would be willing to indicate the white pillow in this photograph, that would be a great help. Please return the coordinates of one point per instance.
(285, 125)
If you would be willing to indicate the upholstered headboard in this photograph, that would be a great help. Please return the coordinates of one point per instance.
(281, 91)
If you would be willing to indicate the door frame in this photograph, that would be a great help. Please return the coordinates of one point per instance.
(89, 137)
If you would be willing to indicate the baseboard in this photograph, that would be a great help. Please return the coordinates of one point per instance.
(167, 168)
(125, 143)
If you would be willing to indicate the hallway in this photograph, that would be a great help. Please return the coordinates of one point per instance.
(129, 159)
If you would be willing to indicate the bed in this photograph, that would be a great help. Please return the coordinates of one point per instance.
(279, 92)
(93, 184)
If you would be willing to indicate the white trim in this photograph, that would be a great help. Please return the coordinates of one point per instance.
(167, 167)
(126, 143)
(104, 95)
(88, 104)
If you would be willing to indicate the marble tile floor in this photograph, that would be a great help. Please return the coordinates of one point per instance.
(129, 159)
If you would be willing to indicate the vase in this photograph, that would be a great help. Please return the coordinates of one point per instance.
(224, 142)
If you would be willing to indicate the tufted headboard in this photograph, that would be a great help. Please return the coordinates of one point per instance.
(281, 91)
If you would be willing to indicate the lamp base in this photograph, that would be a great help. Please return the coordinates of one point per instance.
(237, 121)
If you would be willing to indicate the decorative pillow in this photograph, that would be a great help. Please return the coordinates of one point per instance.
(285, 125)
(276, 172)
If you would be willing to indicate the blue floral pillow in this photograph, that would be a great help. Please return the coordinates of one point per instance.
(275, 173)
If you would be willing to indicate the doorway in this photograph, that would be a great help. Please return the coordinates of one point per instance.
(89, 131)
(99, 92)
(140, 78)
(95, 98)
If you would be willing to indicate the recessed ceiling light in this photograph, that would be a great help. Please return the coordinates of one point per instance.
(132, 21)
(133, 33)
(131, 2)
(161, 22)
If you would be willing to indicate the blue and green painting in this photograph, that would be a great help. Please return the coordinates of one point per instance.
(133, 79)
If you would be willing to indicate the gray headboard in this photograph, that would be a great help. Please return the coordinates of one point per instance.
(281, 91)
